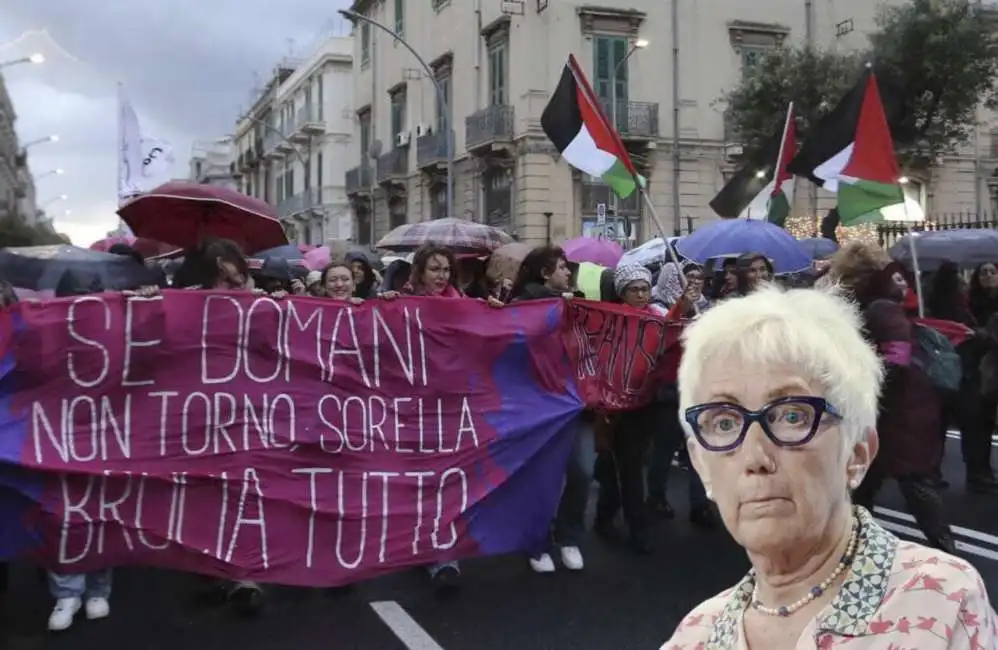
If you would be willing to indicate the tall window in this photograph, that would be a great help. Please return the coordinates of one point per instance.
(365, 44)
(398, 114)
(443, 78)
(399, 17)
(608, 54)
(289, 183)
(308, 101)
(497, 74)
(365, 136)
(751, 56)
(319, 95)
(307, 175)
(318, 171)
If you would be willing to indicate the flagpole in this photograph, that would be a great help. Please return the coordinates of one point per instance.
(779, 156)
(121, 154)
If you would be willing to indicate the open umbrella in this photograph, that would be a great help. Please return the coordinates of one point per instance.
(457, 234)
(650, 253)
(966, 247)
(818, 248)
(589, 249)
(182, 213)
(505, 261)
(731, 237)
(40, 268)
(144, 247)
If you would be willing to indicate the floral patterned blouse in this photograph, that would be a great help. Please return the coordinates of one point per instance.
(896, 596)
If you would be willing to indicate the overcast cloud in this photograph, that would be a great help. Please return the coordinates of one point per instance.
(187, 66)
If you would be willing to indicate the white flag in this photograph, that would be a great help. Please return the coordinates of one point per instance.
(144, 162)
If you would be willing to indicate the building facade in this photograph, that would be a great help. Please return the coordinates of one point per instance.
(293, 145)
(497, 77)
(213, 162)
(17, 187)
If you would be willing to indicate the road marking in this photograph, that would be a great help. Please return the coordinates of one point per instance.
(405, 627)
(954, 434)
(908, 531)
(969, 533)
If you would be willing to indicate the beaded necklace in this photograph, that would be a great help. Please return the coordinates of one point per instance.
(844, 563)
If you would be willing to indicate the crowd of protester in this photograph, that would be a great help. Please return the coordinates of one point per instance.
(631, 455)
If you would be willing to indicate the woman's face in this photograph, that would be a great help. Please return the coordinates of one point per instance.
(775, 499)
(561, 278)
(436, 275)
(359, 270)
(694, 278)
(229, 276)
(988, 276)
(340, 283)
(758, 271)
(637, 294)
(730, 276)
(898, 285)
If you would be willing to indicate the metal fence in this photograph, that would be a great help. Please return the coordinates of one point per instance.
(891, 232)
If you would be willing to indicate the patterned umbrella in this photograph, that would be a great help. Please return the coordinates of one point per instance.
(457, 234)
(182, 213)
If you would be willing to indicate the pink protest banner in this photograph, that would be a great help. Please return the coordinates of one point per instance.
(300, 441)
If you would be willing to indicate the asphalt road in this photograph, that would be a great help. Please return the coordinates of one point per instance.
(621, 601)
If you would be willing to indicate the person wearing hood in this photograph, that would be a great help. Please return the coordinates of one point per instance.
(364, 279)
(275, 276)
(544, 273)
(669, 288)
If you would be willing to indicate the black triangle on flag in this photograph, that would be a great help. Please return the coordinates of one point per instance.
(755, 173)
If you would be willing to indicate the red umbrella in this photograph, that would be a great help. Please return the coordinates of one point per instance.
(145, 247)
(182, 213)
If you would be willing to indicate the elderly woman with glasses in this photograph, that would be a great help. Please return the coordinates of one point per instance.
(778, 393)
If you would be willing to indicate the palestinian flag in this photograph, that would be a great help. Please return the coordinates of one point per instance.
(753, 192)
(851, 152)
(576, 125)
(781, 197)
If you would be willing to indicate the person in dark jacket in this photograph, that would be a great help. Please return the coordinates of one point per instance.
(364, 278)
(544, 273)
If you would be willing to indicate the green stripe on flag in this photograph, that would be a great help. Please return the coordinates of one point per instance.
(859, 200)
(620, 180)
(779, 209)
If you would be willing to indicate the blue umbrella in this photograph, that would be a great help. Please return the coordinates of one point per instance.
(732, 237)
(287, 252)
(818, 247)
(41, 268)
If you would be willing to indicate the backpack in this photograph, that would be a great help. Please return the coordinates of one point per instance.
(937, 358)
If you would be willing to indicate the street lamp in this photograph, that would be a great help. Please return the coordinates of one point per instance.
(61, 197)
(353, 17)
(35, 58)
(51, 172)
(31, 143)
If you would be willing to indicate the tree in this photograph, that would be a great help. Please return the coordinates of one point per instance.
(15, 232)
(814, 80)
(939, 59)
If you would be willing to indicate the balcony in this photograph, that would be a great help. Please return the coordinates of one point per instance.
(307, 123)
(393, 167)
(300, 203)
(431, 150)
(359, 180)
(272, 142)
(241, 162)
(489, 126)
(634, 120)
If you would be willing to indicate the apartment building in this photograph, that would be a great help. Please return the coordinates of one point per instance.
(17, 187)
(497, 72)
(213, 162)
(292, 146)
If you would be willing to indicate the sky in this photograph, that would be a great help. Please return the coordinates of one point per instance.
(187, 66)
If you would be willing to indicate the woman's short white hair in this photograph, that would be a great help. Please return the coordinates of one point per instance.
(817, 331)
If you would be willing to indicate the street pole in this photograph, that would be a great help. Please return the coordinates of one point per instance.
(353, 16)
(677, 219)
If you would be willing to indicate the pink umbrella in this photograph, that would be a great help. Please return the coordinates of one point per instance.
(305, 248)
(317, 258)
(596, 251)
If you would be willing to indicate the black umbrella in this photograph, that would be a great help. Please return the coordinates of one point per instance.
(41, 268)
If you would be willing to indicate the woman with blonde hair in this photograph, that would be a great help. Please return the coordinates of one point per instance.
(778, 395)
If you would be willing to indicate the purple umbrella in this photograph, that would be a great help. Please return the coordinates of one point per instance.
(596, 251)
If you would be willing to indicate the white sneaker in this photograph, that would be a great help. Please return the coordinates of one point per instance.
(97, 608)
(62, 616)
(571, 557)
(542, 563)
